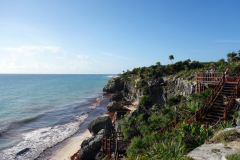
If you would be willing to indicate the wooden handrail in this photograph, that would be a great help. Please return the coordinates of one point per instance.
(209, 77)
(204, 108)
(231, 100)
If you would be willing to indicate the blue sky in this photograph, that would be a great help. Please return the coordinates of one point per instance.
(109, 36)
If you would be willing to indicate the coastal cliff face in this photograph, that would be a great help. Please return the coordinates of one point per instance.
(159, 90)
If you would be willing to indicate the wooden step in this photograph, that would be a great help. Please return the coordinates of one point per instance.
(213, 116)
(216, 114)
(218, 109)
(226, 92)
(211, 120)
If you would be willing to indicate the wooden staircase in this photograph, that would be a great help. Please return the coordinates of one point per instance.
(217, 109)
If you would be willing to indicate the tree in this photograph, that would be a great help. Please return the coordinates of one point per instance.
(158, 64)
(171, 58)
(221, 61)
(231, 56)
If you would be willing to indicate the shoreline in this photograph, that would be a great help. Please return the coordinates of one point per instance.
(73, 145)
(71, 148)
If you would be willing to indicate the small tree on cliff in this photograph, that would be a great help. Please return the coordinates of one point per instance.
(171, 58)
(231, 56)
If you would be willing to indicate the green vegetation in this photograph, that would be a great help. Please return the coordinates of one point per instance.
(224, 137)
(225, 124)
(170, 150)
(214, 150)
(143, 125)
(146, 123)
(184, 69)
(145, 101)
(235, 156)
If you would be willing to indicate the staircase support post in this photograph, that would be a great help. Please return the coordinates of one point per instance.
(225, 114)
(196, 113)
(175, 121)
(197, 86)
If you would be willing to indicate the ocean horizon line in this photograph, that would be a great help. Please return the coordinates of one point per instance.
(57, 74)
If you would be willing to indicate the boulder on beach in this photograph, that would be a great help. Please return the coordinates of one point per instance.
(100, 123)
(91, 147)
(113, 106)
(113, 85)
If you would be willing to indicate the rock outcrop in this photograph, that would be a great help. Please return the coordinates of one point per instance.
(206, 152)
(113, 85)
(90, 148)
(216, 151)
(117, 96)
(113, 106)
(160, 89)
(100, 123)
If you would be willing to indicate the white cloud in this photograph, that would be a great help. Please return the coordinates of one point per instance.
(82, 56)
(41, 59)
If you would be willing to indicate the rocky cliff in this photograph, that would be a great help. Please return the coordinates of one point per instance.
(159, 90)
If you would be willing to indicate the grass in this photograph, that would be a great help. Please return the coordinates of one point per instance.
(214, 150)
(224, 137)
(235, 156)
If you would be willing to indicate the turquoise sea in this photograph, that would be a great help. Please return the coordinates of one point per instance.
(38, 112)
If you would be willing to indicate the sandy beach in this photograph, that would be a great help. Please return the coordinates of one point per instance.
(71, 148)
(74, 143)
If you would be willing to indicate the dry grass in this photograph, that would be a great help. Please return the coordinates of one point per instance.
(224, 137)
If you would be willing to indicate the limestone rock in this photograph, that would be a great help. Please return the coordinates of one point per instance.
(113, 85)
(113, 106)
(153, 82)
(127, 101)
(118, 96)
(205, 152)
(91, 149)
(100, 123)
(98, 156)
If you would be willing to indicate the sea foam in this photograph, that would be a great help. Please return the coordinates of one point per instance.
(35, 142)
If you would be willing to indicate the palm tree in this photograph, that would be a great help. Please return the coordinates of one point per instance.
(171, 58)
(231, 56)
(158, 64)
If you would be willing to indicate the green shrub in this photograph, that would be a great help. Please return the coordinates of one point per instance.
(139, 144)
(225, 124)
(161, 150)
(192, 135)
(145, 101)
(173, 101)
